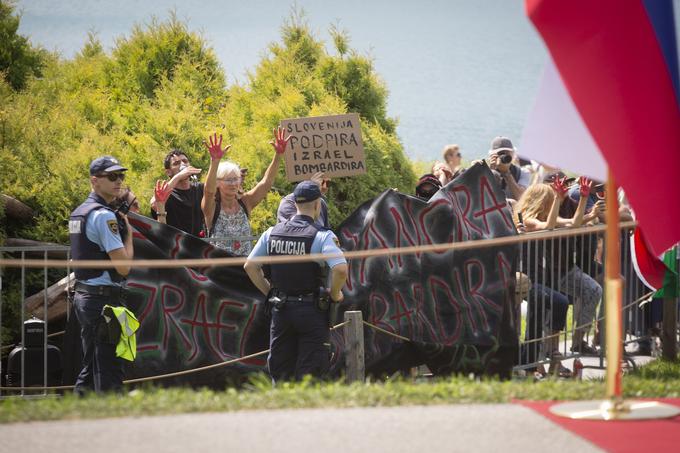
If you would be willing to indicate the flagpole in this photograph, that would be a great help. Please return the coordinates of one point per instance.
(613, 293)
(614, 407)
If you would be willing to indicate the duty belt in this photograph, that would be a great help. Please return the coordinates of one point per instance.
(99, 290)
(306, 297)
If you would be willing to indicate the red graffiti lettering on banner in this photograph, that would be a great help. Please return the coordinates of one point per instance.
(468, 310)
(441, 307)
(471, 268)
(246, 332)
(425, 212)
(197, 276)
(383, 242)
(467, 197)
(205, 325)
(146, 308)
(421, 315)
(168, 314)
(504, 269)
(229, 327)
(355, 239)
(485, 188)
(399, 305)
(402, 229)
(175, 249)
(378, 316)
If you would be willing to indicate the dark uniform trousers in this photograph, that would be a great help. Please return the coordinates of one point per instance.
(299, 336)
(102, 370)
(299, 341)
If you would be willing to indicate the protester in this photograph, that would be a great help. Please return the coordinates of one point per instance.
(539, 207)
(453, 159)
(299, 316)
(127, 201)
(442, 172)
(287, 207)
(427, 186)
(97, 232)
(183, 207)
(162, 192)
(515, 179)
(226, 211)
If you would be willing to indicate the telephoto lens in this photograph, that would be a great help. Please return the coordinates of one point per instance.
(506, 159)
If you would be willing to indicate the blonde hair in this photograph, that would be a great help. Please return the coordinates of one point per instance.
(227, 167)
(535, 202)
(449, 149)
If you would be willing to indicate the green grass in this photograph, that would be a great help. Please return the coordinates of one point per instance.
(657, 379)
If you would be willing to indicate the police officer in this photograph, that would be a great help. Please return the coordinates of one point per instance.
(97, 232)
(299, 332)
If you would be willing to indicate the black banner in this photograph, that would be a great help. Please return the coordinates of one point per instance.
(456, 307)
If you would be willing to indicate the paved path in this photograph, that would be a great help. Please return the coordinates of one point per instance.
(432, 429)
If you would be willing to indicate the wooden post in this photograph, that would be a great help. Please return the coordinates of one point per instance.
(354, 346)
(613, 293)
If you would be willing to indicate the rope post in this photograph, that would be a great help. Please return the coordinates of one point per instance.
(354, 346)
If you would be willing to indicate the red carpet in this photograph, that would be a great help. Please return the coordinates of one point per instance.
(620, 436)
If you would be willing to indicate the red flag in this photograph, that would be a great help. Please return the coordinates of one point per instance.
(618, 61)
(650, 269)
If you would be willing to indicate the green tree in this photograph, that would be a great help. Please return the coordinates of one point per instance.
(18, 59)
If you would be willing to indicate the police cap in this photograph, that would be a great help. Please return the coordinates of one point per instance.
(105, 164)
(306, 191)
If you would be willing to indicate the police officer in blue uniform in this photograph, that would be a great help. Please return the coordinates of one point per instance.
(299, 332)
(97, 232)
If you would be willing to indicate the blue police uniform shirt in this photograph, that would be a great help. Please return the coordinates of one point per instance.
(324, 242)
(98, 231)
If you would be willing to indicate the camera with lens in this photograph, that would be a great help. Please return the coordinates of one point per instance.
(505, 158)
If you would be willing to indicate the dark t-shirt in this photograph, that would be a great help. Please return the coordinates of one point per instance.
(184, 209)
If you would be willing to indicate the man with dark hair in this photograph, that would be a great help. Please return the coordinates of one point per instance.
(298, 291)
(183, 207)
(97, 232)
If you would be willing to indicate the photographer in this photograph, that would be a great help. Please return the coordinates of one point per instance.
(515, 180)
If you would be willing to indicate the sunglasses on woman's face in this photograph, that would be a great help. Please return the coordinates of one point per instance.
(113, 177)
(231, 180)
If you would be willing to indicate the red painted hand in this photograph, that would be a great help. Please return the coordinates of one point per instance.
(162, 191)
(280, 140)
(215, 147)
(560, 186)
(584, 186)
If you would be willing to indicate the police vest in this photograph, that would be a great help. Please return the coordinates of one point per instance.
(294, 237)
(82, 248)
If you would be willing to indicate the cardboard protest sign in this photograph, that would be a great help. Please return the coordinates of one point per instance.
(331, 144)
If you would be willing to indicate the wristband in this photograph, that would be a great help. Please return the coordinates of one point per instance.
(161, 214)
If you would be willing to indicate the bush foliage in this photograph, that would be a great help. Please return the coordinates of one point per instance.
(162, 87)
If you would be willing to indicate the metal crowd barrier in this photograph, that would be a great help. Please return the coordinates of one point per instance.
(564, 276)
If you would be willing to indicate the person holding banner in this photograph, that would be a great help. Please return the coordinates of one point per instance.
(287, 207)
(297, 292)
(226, 210)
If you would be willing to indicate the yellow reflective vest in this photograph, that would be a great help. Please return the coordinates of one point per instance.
(127, 344)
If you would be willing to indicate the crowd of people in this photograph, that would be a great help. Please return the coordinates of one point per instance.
(218, 209)
(297, 294)
(566, 272)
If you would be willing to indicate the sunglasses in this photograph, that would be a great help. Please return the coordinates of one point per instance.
(113, 177)
(231, 180)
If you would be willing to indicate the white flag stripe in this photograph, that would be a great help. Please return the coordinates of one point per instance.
(555, 134)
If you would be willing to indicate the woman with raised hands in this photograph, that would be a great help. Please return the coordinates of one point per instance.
(225, 209)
